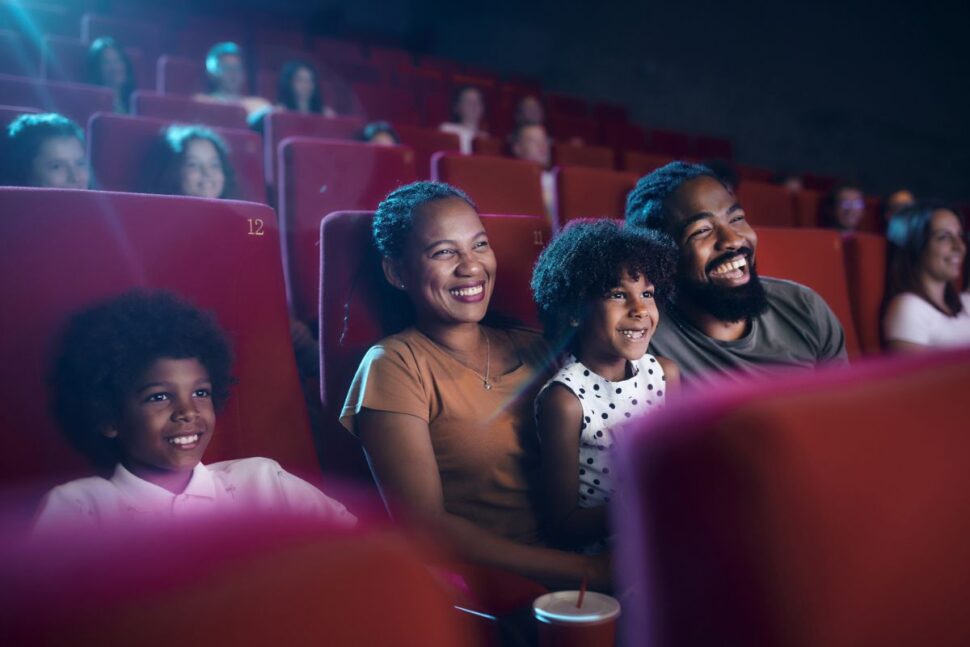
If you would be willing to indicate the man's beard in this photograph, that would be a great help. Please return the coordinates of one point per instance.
(725, 303)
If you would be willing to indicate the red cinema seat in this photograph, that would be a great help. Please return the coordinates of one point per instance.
(495, 184)
(118, 144)
(73, 100)
(808, 205)
(591, 193)
(183, 109)
(17, 55)
(644, 163)
(331, 49)
(357, 307)
(146, 36)
(865, 269)
(754, 173)
(564, 128)
(199, 33)
(64, 60)
(824, 509)
(706, 147)
(873, 222)
(382, 103)
(278, 126)
(426, 142)
(70, 248)
(9, 113)
(610, 112)
(178, 75)
(257, 581)
(766, 204)
(318, 177)
(668, 142)
(562, 104)
(589, 156)
(623, 136)
(812, 257)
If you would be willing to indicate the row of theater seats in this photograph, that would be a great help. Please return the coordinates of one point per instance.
(69, 248)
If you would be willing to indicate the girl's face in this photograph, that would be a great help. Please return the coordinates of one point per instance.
(946, 247)
(448, 267)
(202, 175)
(113, 72)
(302, 86)
(470, 107)
(60, 164)
(618, 326)
(167, 419)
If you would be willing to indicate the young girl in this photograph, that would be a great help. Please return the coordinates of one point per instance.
(136, 387)
(597, 286)
(191, 161)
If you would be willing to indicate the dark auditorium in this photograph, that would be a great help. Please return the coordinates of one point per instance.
(412, 322)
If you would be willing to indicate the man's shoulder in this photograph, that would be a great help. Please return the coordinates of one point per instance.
(783, 292)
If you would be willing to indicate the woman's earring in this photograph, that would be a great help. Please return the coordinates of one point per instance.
(402, 286)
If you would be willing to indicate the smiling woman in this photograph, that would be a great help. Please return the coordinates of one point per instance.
(444, 408)
(189, 160)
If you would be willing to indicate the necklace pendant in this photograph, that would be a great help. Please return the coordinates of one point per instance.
(488, 387)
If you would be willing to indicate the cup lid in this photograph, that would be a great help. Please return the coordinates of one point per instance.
(560, 607)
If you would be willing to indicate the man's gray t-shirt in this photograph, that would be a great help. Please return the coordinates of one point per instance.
(798, 330)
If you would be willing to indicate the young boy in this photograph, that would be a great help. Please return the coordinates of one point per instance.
(136, 387)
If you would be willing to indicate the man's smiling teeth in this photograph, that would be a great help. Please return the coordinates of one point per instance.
(469, 291)
(633, 334)
(730, 266)
(184, 440)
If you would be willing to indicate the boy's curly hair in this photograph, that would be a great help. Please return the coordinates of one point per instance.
(587, 259)
(107, 347)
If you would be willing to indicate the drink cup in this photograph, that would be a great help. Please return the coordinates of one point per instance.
(563, 624)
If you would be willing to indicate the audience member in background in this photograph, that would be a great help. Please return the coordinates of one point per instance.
(529, 110)
(924, 306)
(299, 90)
(189, 160)
(530, 142)
(444, 409)
(226, 71)
(894, 202)
(725, 321)
(467, 111)
(597, 286)
(790, 181)
(137, 384)
(108, 65)
(379, 133)
(843, 208)
(726, 173)
(44, 150)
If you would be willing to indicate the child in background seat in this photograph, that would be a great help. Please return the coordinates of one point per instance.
(597, 286)
(136, 387)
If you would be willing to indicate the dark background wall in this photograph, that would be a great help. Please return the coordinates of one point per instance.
(873, 92)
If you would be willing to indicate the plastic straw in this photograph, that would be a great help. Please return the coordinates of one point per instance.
(582, 594)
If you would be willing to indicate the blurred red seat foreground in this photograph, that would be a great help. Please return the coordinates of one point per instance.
(266, 581)
(821, 510)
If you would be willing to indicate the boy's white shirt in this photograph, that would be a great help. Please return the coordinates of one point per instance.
(248, 484)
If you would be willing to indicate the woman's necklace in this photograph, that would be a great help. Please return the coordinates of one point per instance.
(486, 383)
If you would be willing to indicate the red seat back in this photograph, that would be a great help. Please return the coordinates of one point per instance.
(71, 248)
(118, 143)
(178, 75)
(73, 100)
(426, 142)
(768, 205)
(199, 33)
(321, 176)
(821, 509)
(495, 184)
(591, 193)
(644, 163)
(184, 109)
(668, 142)
(382, 103)
(17, 56)
(812, 257)
(278, 126)
(488, 145)
(590, 156)
(707, 147)
(146, 36)
(357, 307)
(865, 259)
(808, 204)
(566, 127)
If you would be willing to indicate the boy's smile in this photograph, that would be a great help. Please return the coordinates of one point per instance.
(166, 422)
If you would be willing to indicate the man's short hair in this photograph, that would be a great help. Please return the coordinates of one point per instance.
(645, 204)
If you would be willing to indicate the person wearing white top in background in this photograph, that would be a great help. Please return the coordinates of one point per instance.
(924, 308)
(467, 111)
(137, 383)
(530, 142)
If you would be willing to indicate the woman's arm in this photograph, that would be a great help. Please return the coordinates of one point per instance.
(560, 419)
(399, 450)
